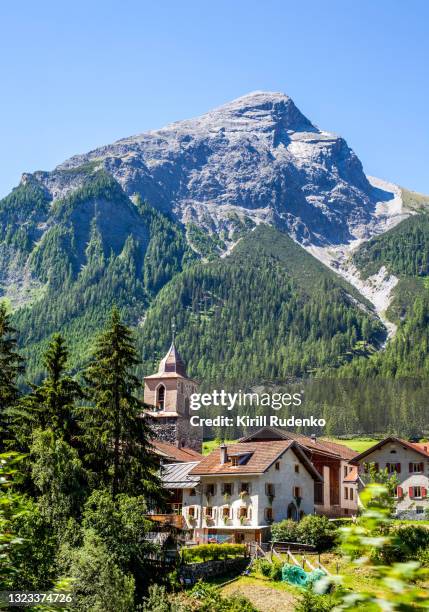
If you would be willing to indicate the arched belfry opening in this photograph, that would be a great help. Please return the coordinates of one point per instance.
(160, 397)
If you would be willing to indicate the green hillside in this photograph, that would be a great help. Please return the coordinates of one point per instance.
(268, 311)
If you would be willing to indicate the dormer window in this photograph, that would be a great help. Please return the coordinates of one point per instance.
(239, 458)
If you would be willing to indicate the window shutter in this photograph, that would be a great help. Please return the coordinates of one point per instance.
(410, 468)
(410, 492)
(398, 468)
(424, 492)
(399, 491)
(422, 467)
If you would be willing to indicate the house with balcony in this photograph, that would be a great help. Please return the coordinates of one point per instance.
(244, 487)
(336, 495)
(409, 461)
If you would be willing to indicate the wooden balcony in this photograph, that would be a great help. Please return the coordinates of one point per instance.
(168, 520)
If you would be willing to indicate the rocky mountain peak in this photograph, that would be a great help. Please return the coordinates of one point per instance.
(257, 159)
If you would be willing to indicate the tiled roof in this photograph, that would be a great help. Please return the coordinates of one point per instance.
(323, 446)
(419, 447)
(352, 476)
(164, 449)
(177, 476)
(263, 455)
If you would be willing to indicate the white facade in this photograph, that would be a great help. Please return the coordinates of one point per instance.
(284, 490)
(412, 471)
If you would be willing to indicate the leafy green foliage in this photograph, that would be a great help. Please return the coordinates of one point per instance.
(98, 583)
(394, 586)
(206, 552)
(315, 530)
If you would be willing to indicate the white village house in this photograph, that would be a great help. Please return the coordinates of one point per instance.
(410, 462)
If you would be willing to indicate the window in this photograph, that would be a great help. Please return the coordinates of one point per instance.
(415, 492)
(393, 451)
(245, 487)
(419, 510)
(277, 465)
(351, 494)
(393, 467)
(225, 512)
(242, 512)
(270, 489)
(416, 467)
(210, 489)
(297, 491)
(227, 488)
(346, 493)
(269, 514)
(346, 510)
(296, 469)
(235, 461)
(345, 471)
(209, 511)
(192, 493)
(191, 511)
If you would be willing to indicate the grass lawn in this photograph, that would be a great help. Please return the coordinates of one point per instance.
(211, 445)
(357, 444)
(265, 595)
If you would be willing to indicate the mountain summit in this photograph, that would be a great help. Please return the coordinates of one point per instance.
(257, 157)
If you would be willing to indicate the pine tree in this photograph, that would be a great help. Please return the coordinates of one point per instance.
(53, 403)
(11, 365)
(114, 433)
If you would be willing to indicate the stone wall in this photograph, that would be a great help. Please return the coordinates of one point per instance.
(195, 571)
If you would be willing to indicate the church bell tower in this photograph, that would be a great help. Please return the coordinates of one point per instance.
(167, 393)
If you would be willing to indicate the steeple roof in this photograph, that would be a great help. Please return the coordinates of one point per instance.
(172, 362)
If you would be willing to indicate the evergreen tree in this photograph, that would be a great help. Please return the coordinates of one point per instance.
(114, 433)
(11, 365)
(52, 403)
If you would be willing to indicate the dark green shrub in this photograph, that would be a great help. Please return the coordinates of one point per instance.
(317, 531)
(310, 602)
(206, 552)
(276, 571)
(285, 531)
(412, 537)
(263, 566)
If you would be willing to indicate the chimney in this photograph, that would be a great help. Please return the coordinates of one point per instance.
(223, 454)
(313, 437)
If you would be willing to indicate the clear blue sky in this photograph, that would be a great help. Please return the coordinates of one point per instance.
(75, 75)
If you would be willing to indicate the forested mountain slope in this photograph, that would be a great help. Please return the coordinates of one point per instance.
(269, 311)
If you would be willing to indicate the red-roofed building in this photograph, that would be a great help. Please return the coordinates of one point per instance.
(410, 462)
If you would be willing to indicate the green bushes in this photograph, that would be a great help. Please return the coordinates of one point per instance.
(311, 602)
(285, 531)
(206, 552)
(263, 566)
(276, 571)
(412, 537)
(315, 530)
